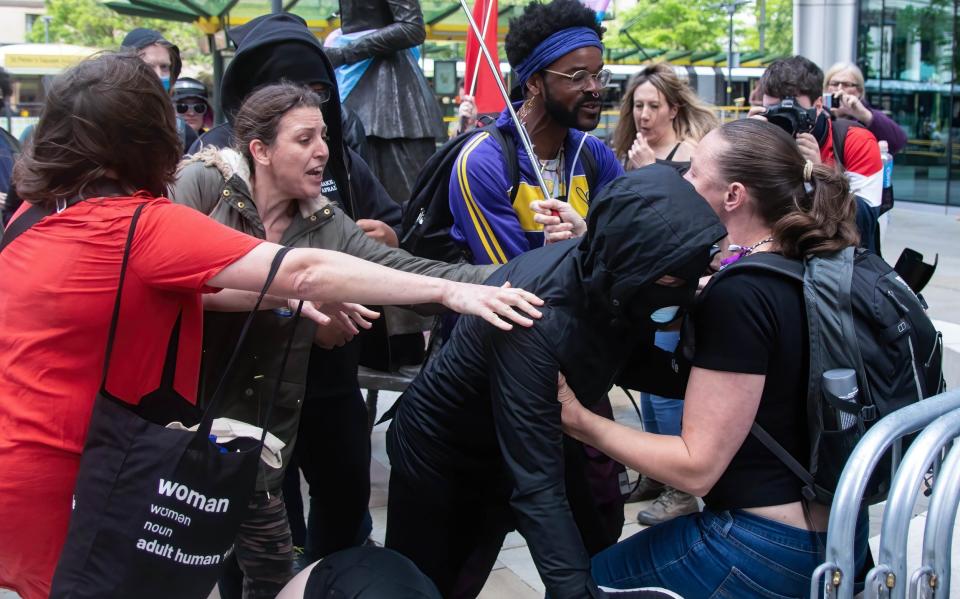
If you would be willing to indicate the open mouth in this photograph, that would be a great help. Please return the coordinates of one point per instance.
(315, 172)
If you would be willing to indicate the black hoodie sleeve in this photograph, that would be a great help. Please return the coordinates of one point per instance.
(369, 196)
(523, 391)
(406, 31)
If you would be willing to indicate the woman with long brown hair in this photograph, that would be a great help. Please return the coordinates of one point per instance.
(661, 118)
(753, 538)
(105, 149)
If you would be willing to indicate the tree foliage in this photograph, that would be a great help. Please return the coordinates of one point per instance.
(778, 38)
(691, 25)
(90, 23)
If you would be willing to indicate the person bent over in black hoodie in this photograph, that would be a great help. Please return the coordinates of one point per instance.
(476, 447)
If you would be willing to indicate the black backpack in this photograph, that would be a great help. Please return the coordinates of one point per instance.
(426, 221)
(872, 351)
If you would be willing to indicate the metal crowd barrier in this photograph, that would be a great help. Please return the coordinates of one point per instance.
(889, 577)
(932, 579)
(838, 568)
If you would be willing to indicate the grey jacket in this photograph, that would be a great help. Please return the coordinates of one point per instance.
(216, 182)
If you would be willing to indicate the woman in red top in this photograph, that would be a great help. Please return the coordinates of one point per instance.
(108, 125)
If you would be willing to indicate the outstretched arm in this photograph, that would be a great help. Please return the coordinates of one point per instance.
(326, 276)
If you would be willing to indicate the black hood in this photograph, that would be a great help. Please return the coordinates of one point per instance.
(648, 223)
(281, 46)
(274, 47)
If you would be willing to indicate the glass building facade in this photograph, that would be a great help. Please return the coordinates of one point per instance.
(907, 51)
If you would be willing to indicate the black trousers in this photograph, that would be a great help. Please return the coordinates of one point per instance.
(333, 451)
(452, 534)
(453, 531)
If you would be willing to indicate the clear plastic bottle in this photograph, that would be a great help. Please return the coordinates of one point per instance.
(886, 201)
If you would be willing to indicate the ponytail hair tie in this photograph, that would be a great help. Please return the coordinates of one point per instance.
(807, 171)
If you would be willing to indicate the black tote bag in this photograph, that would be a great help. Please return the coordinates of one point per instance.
(155, 510)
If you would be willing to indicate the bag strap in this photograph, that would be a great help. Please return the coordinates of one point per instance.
(116, 302)
(22, 223)
(839, 128)
(207, 422)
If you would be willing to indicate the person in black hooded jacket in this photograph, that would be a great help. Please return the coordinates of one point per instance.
(333, 447)
(476, 446)
(280, 46)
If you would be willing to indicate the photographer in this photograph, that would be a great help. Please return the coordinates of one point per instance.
(844, 83)
(792, 101)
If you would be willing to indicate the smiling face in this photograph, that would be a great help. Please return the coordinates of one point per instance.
(564, 101)
(652, 113)
(297, 157)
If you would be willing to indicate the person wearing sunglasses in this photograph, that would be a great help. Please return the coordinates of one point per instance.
(190, 100)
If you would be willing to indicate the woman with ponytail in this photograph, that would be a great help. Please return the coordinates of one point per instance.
(756, 536)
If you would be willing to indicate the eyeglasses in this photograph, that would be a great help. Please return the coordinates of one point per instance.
(197, 107)
(842, 84)
(322, 91)
(581, 78)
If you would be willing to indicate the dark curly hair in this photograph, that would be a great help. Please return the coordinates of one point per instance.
(539, 21)
(792, 77)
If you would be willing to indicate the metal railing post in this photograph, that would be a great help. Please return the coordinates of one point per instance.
(839, 562)
(938, 532)
(890, 573)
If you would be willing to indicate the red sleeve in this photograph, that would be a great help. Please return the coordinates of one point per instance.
(181, 249)
(861, 153)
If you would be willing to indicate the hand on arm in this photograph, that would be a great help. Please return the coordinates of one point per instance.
(719, 408)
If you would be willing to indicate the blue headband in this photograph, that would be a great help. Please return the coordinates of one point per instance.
(551, 49)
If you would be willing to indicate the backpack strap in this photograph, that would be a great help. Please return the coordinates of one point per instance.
(512, 163)
(788, 460)
(839, 128)
(791, 269)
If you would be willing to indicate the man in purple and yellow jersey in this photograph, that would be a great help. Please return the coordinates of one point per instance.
(556, 54)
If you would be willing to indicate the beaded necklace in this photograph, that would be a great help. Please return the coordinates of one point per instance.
(742, 251)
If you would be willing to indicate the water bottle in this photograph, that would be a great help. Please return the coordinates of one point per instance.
(886, 199)
(842, 394)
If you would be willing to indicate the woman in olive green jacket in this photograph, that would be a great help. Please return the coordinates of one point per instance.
(269, 187)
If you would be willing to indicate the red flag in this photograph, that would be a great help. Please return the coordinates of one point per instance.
(487, 95)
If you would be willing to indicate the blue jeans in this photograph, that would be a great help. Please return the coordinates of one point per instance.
(661, 415)
(730, 554)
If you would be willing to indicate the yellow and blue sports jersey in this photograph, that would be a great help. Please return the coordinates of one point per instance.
(485, 221)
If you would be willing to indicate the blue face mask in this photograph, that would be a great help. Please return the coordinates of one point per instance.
(664, 315)
(165, 82)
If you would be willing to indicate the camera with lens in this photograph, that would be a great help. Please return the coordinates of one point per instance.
(791, 117)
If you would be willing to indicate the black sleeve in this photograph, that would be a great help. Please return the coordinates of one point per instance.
(736, 325)
(370, 198)
(653, 370)
(354, 135)
(523, 390)
(406, 31)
